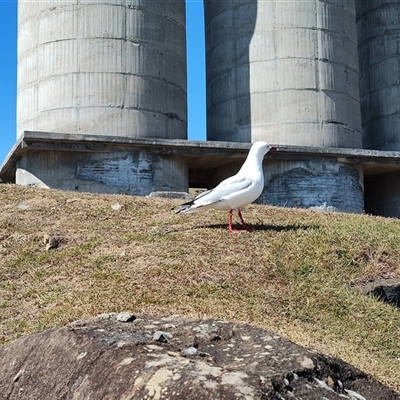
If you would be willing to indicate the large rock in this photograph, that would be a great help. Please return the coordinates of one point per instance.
(386, 290)
(120, 356)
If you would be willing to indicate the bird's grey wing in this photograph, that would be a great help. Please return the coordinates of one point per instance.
(202, 194)
(233, 185)
(223, 191)
(227, 188)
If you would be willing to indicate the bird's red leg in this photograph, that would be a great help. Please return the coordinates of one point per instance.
(230, 223)
(245, 226)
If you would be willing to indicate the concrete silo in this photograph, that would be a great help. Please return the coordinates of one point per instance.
(111, 68)
(287, 72)
(378, 25)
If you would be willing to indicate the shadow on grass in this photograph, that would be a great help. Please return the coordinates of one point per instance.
(259, 227)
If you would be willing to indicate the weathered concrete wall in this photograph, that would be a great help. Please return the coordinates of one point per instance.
(283, 71)
(320, 184)
(323, 185)
(110, 67)
(378, 24)
(130, 172)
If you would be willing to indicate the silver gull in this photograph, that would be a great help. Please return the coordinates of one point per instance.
(235, 192)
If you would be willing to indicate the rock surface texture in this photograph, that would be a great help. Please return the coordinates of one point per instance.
(121, 356)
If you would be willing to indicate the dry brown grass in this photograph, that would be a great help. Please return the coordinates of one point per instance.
(296, 275)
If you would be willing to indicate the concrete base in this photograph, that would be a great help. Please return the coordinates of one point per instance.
(127, 172)
(319, 184)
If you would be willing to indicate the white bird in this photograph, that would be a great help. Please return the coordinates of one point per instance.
(235, 192)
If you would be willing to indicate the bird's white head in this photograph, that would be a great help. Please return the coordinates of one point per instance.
(261, 148)
(255, 158)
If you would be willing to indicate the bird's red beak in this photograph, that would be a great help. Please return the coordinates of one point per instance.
(273, 148)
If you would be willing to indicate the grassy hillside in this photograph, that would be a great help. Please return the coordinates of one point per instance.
(297, 275)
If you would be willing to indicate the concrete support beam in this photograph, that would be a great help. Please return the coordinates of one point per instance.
(321, 177)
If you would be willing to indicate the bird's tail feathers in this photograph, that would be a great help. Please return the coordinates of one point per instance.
(185, 207)
(193, 205)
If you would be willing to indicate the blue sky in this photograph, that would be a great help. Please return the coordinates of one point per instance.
(8, 72)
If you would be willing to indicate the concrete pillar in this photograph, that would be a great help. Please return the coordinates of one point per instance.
(103, 67)
(283, 71)
(287, 72)
(378, 25)
(107, 67)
